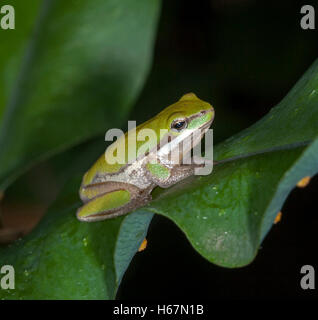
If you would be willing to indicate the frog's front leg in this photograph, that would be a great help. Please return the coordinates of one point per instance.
(112, 199)
(165, 177)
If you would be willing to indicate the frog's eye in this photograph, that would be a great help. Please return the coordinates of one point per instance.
(179, 124)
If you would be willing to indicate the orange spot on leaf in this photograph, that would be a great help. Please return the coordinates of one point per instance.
(303, 182)
(278, 217)
(143, 246)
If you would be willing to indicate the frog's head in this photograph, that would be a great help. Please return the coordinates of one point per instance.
(189, 112)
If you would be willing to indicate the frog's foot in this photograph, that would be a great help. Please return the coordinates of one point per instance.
(113, 204)
(201, 162)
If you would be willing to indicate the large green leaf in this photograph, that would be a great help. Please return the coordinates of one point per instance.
(227, 214)
(67, 259)
(83, 67)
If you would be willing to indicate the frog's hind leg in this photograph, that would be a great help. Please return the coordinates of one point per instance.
(122, 198)
(93, 190)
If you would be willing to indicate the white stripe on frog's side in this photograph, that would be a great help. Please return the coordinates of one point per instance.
(133, 174)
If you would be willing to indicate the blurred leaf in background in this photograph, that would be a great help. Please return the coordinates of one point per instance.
(84, 64)
(76, 72)
(13, 46)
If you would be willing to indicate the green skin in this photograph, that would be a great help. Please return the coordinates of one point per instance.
(110, 190)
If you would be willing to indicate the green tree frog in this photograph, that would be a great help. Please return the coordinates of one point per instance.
(112, 189)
